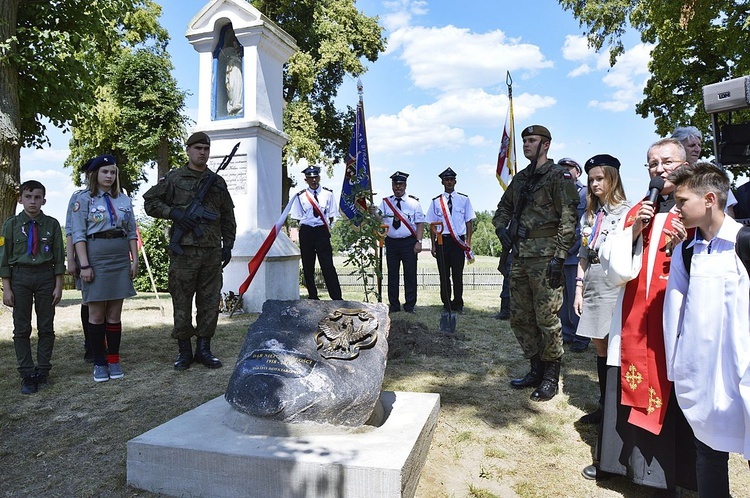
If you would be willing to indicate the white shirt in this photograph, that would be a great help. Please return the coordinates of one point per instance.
(302, 209)
(461, 213)
(411, 210)
(707, 340)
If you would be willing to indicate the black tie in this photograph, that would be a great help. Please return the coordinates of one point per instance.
(450, 204)
(317, 215)
(396, 220)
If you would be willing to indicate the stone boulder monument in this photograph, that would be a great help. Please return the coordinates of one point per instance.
(240, 71)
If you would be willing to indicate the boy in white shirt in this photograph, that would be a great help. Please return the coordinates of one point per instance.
(707, 326)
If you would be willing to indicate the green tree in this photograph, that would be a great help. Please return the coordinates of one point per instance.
(333, 37)
(137, 117)
(697, 42)
(484, 242)
(154, 236)
(52, 55)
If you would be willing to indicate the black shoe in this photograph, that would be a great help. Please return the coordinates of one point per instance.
(503, 315)
(41, 379)
(592, 472)
(579, 347)
(28, 385)
(203, 354)
(185, 355)
(593, 418)
(548, 388)
(394, 309)
(533, 378)
(411, 311)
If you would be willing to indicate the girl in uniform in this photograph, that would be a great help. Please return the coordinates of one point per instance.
(105, 240)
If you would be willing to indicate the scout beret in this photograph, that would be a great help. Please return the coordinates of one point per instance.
(311, 171)
(566, 161)
(602, 160)
(448, 173)
(198, 138)
(399, 177)
(99, 161)
(536, 130)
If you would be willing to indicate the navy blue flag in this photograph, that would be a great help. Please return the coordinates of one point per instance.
(356, 189)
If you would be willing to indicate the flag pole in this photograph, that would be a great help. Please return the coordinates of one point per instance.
(360, 92)
(513, 163)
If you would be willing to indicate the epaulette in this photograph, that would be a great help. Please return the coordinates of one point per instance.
(326, 188)
(413, 197)
(301, 191)
(436, 197)
(459, 193)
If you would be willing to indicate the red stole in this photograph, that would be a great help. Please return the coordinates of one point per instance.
(645, 386)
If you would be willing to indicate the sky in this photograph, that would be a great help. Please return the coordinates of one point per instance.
(437, 97)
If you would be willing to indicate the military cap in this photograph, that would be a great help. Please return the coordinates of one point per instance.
(536, 130)
(448, 173)
(566, 161)
(399, 177)
(602, 160)
(198, 138)
(99, 161)
(311, 171)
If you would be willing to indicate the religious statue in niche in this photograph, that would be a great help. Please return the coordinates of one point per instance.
(229, 74)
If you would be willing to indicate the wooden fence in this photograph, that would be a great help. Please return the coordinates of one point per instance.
(473, 279)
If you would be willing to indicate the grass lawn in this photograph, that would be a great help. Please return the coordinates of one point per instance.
(69, 439)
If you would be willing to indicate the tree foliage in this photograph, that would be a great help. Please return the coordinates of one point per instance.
(137, 117)
(52, 56)
(333, 37)
(154, 235)
(697, 42)
(484, 242)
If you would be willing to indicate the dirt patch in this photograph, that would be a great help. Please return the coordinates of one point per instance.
(412, 338)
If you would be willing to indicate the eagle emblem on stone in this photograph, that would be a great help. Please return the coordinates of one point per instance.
(343, 332)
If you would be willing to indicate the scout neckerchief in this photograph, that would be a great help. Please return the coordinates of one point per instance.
(317, 209)
(32, 239)
(400, 215)
(449, 225)
(645, 387)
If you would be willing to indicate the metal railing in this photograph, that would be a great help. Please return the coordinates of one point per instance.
(473, 279)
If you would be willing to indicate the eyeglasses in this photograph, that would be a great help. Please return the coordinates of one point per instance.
(666, 164)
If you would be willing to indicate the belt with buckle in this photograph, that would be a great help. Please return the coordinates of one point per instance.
(109, 234)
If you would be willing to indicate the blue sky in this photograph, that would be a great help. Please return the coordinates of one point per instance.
(437, 97)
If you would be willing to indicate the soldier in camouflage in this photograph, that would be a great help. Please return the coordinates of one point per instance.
(197, 272)
(540, 235)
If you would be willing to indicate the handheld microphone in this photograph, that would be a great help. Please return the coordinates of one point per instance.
(654, 188)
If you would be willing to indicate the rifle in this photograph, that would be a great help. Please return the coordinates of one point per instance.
(196, 211)
(517, 231)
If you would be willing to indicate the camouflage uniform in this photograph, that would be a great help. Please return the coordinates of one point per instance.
(551, 217)
(197, 271)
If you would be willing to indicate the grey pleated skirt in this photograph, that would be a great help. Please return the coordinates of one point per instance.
(599, 299)
(110, 259)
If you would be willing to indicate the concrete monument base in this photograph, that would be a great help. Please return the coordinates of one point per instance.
(214, 451)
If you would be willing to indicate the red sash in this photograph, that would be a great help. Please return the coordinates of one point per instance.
(463, 245)
(645, 386)
(400, 215)
(317, 209)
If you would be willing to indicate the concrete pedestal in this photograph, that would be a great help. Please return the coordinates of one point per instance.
(213, 451)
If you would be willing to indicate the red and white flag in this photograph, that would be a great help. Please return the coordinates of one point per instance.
(506, 157)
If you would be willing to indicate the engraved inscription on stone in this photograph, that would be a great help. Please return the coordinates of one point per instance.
(235, 174)
(343, 332)
(279, 362)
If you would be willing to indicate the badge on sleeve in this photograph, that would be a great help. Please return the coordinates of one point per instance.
(2, 241)
(76, 206)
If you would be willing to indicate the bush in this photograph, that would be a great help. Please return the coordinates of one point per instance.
(154, 236)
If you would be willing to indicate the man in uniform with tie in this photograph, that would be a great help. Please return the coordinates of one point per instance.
(314, 208)
(403, 243)
(454, 211)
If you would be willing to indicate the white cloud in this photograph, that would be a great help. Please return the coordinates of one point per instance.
(580, 71)
(627, 78)
(450, 58)
(576, 48)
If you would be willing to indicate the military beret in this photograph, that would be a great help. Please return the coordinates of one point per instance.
(399, 177)
(198, 138)
(602, 160)
(311, 171)
(448, 173)
(566, 161)
(536, 130)
(99, 161)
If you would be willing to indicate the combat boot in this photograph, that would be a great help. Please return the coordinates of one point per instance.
(504, 313)
(185, 356)
(531, 379)
(203, 353)
(548, 388)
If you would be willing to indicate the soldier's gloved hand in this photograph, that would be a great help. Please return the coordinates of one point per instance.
(504, 236)
(555, 275)
(226, 256)
(184, 222)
